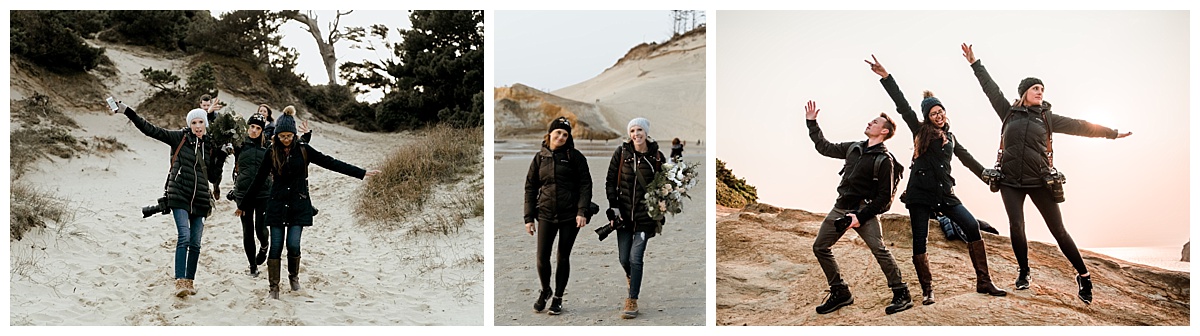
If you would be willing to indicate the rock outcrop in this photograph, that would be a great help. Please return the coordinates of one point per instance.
(1187, 252)
(525, 111)
(767, 275)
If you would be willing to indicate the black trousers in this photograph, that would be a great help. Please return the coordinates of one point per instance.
(545, 242)
(1014, 204)
(254, 226)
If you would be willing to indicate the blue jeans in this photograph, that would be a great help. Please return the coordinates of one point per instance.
(293, 241)
(920, 216)
(631, 246)
(187, 249)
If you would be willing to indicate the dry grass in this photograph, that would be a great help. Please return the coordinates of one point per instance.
(41, 130)
(407, 179)
(32, 209)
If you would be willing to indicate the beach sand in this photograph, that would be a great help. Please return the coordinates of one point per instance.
(109, 266)
(673, 285)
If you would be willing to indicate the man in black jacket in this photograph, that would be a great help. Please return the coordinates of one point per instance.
(865, 191)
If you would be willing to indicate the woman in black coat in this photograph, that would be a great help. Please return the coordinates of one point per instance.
(633, 165)
(289, 207)
(931, 187)
(558, 190)
(1026, 166)
(195, 163)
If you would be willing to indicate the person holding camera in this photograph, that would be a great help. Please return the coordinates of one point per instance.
(195, 163)
(931, 187)
(289, 206)
(558, 191)
(1026, 166)
(865, 191)
(632, 167)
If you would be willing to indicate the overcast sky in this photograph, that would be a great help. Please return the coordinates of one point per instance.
(550, 50)
(1125, 70)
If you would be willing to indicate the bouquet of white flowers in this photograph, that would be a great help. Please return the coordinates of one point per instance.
(666, 192)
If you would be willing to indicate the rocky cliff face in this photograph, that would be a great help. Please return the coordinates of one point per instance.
(525, 111)
(1187, 252)
(767, 275)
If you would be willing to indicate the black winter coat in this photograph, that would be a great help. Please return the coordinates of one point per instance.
(289, 202)
(626, 191)
(248, 157)
(930, 182)
(1024, 163)
(197, 164)
(862, 189)
(558, 186)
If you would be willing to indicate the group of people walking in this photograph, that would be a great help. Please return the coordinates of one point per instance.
(1024, 169)
(558, 201)
(271, 174)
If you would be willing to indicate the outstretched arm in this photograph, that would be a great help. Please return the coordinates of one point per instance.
(826, 148)
(993, 92)
(967, 160)
(328, 162)
(1080, 127)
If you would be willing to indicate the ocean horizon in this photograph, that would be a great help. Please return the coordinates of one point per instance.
(1166, 257)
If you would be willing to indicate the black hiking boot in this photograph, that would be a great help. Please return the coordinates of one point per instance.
(540, 304)
(1023, 279)
(556, 306)
(901, 301)
(1085, 288)
(839, 296)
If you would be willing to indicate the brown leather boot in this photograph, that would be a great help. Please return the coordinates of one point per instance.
(181, 287)
(294, 273)
(921, 263)
(273, 277)
(191, 287)
(630, 310)
(983, 280)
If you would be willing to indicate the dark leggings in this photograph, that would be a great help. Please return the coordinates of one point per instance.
(1014, 204)
(958, 213)
(546, 233)
(254, 225)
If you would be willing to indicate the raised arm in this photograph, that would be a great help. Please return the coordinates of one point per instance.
(826, 148)
(993, 92)
(533, 182)
(158, 133)
(893, 91)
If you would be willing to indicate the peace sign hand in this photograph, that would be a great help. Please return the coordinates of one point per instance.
(877, 67)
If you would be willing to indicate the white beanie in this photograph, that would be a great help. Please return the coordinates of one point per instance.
(639, 121)
(197, 113)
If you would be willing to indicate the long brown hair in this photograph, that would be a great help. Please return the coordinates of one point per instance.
(279, 152)
(928, 135)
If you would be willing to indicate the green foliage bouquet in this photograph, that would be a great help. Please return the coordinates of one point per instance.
(228, 128)
(670, 185)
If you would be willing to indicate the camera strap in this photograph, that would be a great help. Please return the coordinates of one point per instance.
(1000, 152)
(1049, 142)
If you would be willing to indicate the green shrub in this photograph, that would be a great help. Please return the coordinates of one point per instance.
(732, 191)
(47, 39)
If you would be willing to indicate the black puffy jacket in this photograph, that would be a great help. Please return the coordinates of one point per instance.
(248, 157)
(1024, 163)
(862, 189)
(197, 164)
(626, 191)
(930, 182)
(558, 186)
(289, 202)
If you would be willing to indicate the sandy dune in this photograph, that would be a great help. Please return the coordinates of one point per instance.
(111, 267)
(673, 288)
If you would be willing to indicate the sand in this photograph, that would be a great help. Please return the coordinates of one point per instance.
(111, 267)
(673, 287)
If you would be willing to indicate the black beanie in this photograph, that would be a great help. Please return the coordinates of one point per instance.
(257, 119)
(1026, 84)
(928, 103)
(560, 123)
